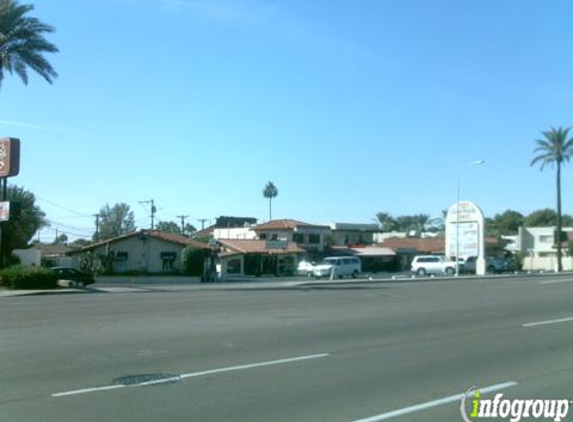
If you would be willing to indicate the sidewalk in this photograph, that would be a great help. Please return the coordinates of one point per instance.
(12, 293)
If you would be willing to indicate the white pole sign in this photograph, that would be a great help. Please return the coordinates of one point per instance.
(465, 233)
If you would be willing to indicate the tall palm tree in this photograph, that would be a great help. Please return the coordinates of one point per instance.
(554, 150)
(22, 43)
(270, 191)
(386, 221)
(422, 221)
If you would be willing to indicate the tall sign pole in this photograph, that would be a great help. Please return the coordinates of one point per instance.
(9, 167)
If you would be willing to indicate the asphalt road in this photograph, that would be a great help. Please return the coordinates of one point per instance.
(337, 352)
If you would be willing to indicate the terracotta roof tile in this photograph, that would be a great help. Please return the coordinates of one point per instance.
(284, 224)
(165, 236)
(258, 246)
(422, 245)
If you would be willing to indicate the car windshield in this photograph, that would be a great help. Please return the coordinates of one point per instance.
(270, 210)
(328, 262)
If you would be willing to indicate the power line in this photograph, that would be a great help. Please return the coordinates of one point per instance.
(61, 207)
(68, 226)
(66, 232)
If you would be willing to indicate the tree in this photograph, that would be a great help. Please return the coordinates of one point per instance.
(189, 229)
(115, 221)
(61, 240)
(270, 191)
(422, 222)
(387, 222)
(406, 223)
(193, 261)
(81, 242)
(554, 150)
(508, 222)
(546, 217)
(169, 227)
(19, 230)
(22, 44)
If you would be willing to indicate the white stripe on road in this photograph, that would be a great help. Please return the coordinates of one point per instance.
(552, 321)
(434, 403)
(567, 280)
(88, 390)
(252, 365)
(191, 374)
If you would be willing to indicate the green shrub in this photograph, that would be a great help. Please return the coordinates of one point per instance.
(193, 261)
(519, 258)
(26, 277)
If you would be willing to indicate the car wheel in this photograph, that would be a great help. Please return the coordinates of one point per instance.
(421, 271)
(491, 269)
(355, 274)
(450, 271)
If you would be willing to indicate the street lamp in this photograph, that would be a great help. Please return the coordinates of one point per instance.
(458, 211)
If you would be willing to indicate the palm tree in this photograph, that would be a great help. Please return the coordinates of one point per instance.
(386, 221)
(554, 150)
(22, 43)
(422, 221)
(270, 191)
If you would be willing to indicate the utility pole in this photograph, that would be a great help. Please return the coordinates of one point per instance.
(182, 217)
(96, 237)
(153, 211)
(202, 220)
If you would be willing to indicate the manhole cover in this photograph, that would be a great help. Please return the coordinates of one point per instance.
(148, 379)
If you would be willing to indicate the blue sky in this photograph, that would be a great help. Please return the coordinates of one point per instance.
(349, 107)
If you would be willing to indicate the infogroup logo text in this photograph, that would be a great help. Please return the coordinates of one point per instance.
(515, 410)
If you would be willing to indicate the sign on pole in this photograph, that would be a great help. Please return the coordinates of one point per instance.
(9, 157)
(4, 211)
(465, 233)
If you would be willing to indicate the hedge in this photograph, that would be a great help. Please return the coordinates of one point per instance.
(25, 277)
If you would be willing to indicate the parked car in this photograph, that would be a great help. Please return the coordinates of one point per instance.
(338, 266)
(493, 264)
(305, 268)
(71, 274)
(435, 264)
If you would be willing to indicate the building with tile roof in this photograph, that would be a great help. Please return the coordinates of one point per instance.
(310, 237)
(253, 257)
(142, 251)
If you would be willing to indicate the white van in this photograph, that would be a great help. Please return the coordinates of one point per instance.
(338, 266)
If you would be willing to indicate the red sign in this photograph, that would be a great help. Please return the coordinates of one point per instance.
(9, 157)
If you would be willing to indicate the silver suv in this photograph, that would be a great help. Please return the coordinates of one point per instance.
(433, 264)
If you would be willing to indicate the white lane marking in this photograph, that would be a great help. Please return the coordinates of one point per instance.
(433, 403)
(88, 390)
(252, 365)
(192, 374)
(552, 321)
(567, 280)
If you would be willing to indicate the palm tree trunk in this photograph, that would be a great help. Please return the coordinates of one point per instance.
(559, 263)
(270, 208)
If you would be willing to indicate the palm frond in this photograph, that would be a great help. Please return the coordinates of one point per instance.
(22, 44)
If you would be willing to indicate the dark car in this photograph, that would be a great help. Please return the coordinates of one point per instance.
(71, 274)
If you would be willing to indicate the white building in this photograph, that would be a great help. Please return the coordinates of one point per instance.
(343, 234)
(237, 233)
(537, 244)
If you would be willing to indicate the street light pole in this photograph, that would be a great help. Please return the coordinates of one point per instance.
(458, 212)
